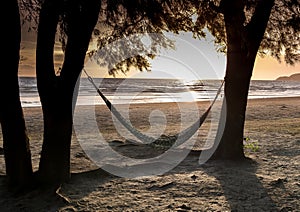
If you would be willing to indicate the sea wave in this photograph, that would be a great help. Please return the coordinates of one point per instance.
(156, 90)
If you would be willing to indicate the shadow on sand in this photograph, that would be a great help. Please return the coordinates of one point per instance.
(242, 189)
(240, 186)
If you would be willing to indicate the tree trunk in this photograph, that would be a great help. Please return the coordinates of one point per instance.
(234, 107)
(15, 139)
(242, 45)
(56, 92)
(54, 162)
(237, 79)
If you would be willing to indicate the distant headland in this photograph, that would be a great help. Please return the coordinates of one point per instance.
(294, 77)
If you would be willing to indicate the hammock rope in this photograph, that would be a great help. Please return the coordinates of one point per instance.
(179, 138)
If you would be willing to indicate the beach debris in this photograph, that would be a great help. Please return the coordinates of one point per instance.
(184, 207)
(283, 107)
(286, 209)
(194, 177)
(162, 187)
(278, 182)
(80, 155)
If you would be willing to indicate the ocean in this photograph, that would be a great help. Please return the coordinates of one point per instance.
(131, 90)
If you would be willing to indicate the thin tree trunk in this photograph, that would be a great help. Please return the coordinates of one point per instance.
(15, 139)
(53, 167)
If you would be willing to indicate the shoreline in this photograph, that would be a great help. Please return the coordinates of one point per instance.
(198, 102)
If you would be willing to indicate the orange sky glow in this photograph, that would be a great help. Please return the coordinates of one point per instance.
(187, 53)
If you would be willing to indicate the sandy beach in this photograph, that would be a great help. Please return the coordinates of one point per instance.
(270, 181)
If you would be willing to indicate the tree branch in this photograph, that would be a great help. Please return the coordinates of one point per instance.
(217, 9)
(256, 27)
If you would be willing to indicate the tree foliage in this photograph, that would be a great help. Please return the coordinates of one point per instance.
(126, 23)
(281, 38)
(122, 18)
(119, 19)
(282, 35)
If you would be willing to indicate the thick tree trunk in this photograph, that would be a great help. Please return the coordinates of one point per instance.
(56, 92)
(242, 45)
(15, 139)
(234, 108)
(237, 79)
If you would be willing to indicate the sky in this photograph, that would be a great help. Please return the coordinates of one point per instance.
(192, 59)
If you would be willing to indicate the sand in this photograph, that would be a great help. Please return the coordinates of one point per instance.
(269, 181)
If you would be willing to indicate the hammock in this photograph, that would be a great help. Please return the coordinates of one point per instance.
(179, 138)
